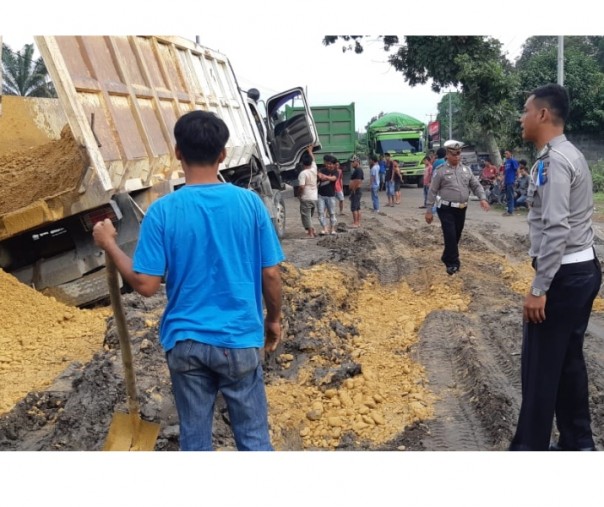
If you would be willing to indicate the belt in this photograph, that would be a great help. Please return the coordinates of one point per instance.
(582, 256)
(460, 205)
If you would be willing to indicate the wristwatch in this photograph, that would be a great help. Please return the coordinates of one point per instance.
(537, 292)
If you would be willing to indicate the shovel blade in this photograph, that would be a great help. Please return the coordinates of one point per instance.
(124, 436)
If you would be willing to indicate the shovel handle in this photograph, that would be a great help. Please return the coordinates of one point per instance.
(122, 332)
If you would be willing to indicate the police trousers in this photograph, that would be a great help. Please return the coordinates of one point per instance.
(452, 221)
(554, 376)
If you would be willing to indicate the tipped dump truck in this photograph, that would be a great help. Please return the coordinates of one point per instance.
(105, 149)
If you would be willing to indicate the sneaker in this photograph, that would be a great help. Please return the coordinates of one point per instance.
(334, 233)
(422, 207)
(451, 270)
(506, 214)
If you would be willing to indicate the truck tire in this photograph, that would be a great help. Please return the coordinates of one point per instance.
(279, 213)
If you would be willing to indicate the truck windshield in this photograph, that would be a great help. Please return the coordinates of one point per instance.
(400, 145)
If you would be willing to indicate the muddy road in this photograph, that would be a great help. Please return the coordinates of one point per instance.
(383, 350)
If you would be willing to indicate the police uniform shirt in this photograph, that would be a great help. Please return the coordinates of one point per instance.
(560, 189)
(453, 184)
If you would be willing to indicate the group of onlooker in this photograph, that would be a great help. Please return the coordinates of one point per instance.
(320, 189)
(508, 184)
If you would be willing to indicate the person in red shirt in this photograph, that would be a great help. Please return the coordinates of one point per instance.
(489, 172)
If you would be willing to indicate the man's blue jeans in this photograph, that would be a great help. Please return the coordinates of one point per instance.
(198, 372)
(375, 198)
(509, 193)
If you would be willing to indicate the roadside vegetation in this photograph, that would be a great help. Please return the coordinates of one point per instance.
(490, 90)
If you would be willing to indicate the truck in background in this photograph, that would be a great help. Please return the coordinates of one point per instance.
(404, 137)
(337, 135)
(119, 98)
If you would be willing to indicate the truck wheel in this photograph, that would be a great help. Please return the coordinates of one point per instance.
(420, 182)
(279, 213)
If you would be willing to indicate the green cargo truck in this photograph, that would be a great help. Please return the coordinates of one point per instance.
(337, 134)
(404, 138)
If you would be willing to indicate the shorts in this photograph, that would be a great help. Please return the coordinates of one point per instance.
(339, 196)
(355, 200)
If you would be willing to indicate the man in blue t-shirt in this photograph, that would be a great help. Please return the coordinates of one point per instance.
(217, 248)
(510, 169)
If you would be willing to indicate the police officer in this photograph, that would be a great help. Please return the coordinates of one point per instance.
(452, 184)
(567, 279)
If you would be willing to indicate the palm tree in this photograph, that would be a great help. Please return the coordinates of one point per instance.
(23, 75)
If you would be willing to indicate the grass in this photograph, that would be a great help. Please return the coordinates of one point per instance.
(599, 199)
(598, 215)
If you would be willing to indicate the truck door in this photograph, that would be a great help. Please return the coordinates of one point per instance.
(290, 136)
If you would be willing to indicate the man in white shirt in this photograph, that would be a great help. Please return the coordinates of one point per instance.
(374, 174)
(307, 191)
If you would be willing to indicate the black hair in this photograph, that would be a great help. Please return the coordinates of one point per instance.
(556, 98)
(306, 159)
(374, 158)
(441, 152)
(522, 162)
(329, 158)
(200, 136)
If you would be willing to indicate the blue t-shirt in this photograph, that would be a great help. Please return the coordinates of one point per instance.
(211, 242)
(382, 164)
(511, 166)
(437, 163)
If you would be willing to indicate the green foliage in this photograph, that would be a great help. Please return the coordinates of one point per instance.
(493, 91)
(436, 58)
(582, 77)
(24, 75)
(597, 174)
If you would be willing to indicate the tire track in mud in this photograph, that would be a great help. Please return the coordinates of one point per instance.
(455, 426)
(475, 395)
(470, 359)
(594, 357)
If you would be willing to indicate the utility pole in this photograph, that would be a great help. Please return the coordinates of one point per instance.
(450, 118)
(561, 60)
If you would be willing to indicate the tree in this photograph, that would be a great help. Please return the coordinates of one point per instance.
(583, 77)
(458, 127)
(473, 63)
(23, 75)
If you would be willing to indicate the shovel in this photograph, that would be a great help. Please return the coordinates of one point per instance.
(128, 432)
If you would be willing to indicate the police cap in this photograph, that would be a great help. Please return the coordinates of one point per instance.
(452, 144)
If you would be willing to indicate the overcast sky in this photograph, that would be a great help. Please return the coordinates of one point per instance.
(274, 45)
(328, 75)
(331, 76)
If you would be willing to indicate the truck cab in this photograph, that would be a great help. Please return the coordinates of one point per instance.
(404, 138)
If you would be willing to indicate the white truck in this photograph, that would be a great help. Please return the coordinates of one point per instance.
(120, 97)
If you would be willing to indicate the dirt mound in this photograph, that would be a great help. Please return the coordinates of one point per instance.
(39, 338)
(37, 173)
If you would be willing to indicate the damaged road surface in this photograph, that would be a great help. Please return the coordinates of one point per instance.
(383, 350)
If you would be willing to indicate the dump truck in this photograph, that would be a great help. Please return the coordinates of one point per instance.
(337, 135)
(105, 149)
(404, 137)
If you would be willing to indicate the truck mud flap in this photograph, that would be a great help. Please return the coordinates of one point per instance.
(83, 291)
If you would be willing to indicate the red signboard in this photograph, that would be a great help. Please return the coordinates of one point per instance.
(434, 129)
